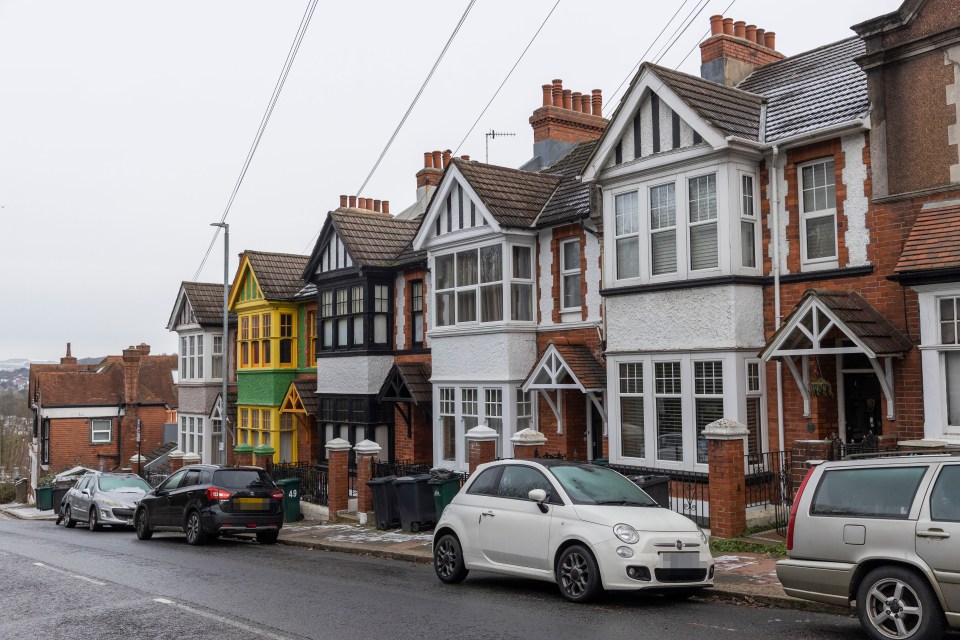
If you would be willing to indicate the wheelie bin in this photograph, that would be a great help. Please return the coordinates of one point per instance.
(657, 487)
(445, 484)
(291, 498)
(386, 510)
(44, 496)
(415, 498)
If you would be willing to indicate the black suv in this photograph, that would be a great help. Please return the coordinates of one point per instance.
(206, 500)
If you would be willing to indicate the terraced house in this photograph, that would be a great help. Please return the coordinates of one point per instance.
(275, 347)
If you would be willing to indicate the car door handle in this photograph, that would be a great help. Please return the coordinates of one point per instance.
(488, 513)
(933, 533)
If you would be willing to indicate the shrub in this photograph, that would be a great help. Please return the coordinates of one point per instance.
(8, 493)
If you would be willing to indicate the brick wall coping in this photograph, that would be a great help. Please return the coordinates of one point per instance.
(176, 454)
(366, 447)
(338, 444)
(481, 433)
(137, 458)
(725, 429)
(528, 437)
(191, 458)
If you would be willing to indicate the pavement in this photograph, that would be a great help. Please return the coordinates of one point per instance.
(749, 578)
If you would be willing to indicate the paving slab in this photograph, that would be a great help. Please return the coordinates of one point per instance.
(27, 512)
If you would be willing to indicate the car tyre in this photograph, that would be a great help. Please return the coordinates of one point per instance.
(267, 537)
(142, 525)
(448, 560)
(195, 533)
(68, 517)
(578, 575)
(894, 603)
(94, 522)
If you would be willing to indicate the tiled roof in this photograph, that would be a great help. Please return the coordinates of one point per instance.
(103, 384)
(514, 197)
(307, 390)
(858, 316)
(589, 371)
(811, 90)
(415, 376)
(934, 241)
(279, 274)
(374, 239)
(206, 300)
(571, 200)
(734, 111)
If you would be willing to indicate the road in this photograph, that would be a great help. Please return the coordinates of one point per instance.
(73, 583)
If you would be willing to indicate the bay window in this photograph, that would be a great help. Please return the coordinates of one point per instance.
(491, 285)
(570, 291)
(216, 361)
(286, 338)
(748, 223)
(818, 213)
(669, 411)
(663, 229)
(702, 211)
(708, 400)
(631, 410)
(191, 357)
(521, 287)
(448, 423)
(348, 320)
(525, 410)
(381, 311)
(493, 409)
(356, 310)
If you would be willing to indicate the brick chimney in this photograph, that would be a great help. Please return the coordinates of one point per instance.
(131, 372)
(429, 176)
(734, 50)
(565, 119)
(68, 359)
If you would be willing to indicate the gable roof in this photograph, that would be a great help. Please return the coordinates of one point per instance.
(414, 377)
(279, 274)
(733, 111)
(103, 384)
(812, 90)
(206, 300)
(571, 200)
(513, 197)
(934, 241)
(307, 390)
(374, 239)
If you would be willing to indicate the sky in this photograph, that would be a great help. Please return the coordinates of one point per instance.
(124, 127)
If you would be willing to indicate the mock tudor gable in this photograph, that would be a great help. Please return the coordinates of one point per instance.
(456, 208)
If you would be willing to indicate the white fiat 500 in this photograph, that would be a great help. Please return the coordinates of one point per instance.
(585, 527)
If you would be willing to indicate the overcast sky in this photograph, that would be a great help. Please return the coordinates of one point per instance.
(124, 126)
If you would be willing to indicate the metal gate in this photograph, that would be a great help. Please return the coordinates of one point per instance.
(769, 483)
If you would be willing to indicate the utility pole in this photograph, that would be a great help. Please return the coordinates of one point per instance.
(225, 341)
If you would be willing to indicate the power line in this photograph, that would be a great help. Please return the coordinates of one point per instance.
(416, 98)
(675, 36)
(705, 34)
(278, 87)
(485, 108)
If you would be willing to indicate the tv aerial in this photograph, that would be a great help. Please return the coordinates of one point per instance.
(493, 134)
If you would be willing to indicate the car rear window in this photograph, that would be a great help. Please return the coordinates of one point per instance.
(868, 493)
(240, 478)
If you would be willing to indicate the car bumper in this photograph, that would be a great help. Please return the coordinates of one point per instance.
(827, 582)
(217, 521)
(116, 516)
(649, 570)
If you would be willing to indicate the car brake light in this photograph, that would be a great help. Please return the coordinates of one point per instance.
(277, 495)
(215, 493)
(793, 509)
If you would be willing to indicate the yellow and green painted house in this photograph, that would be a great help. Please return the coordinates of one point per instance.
(276, 346)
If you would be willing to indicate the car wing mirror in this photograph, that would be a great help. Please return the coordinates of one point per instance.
(85, 492)
(539, 496)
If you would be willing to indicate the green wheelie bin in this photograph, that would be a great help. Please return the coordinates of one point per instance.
(445, 484)
(291, 498)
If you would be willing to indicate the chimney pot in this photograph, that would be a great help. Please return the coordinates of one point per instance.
(716, 25)
(567, 99)
(770, 40)
(466, 157)
(353, 202)
(547, 94)
(446, 158)
(760, 38)
(558, 92)
(577, 101)
(427, 160)
(751, 32)
(585, 104)
(385, 205)
(367, 204)
(376, 206)
(738, 29)
(437, 162)
(728, 26)
(361, 203)
(68, 350)
(597, 100)
(343, 201)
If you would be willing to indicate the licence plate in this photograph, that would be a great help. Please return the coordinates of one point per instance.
(680, 560)
(251, 504)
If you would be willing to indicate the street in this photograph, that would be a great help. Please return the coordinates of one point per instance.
(61, 583)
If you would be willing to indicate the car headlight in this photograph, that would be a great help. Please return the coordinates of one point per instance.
(703, 536)
(626, 533)
(109, 502)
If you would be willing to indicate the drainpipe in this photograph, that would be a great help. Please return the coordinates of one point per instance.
(778, 318)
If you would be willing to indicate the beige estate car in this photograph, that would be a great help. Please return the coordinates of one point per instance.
(883, 532)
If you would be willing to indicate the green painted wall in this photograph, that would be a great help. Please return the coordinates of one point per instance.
(263, 388)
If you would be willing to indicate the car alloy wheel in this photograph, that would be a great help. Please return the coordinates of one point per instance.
(143, 525)
(578, 575)
(897, 604)
(68, 517)
(195, 534)
(448, 560)
(94, 522)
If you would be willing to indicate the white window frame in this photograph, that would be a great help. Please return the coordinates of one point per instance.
(217, 355)
(522, 281)
(453, 395)
(692, 224)
(98, 427)
(637, 392)
(697, 396)
(750, 217)
(651, 231)
(829, 262)
(566, 271)
(631, 233)
(755, 393)
(668, 395)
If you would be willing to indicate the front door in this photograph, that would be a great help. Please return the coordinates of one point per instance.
(938, 529)
(596, 431)
(861, 400)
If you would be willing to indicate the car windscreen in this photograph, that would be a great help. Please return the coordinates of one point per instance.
(598, 485)
(124, 484)
(241, 478)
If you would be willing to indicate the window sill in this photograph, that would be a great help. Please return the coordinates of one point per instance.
(826, 265)
(493, 327)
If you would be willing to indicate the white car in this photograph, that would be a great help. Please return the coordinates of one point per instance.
(585, 527)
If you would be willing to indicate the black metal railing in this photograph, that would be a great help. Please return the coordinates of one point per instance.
(157, 474)
(399, 468)
(768, 479)
(689, 491)
(869, 444)
(313, 479)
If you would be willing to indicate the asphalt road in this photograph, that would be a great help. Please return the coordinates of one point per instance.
(62, 583)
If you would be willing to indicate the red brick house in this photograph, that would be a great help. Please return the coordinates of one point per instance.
(89, 414)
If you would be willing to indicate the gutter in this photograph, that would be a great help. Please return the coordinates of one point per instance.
(804, 138)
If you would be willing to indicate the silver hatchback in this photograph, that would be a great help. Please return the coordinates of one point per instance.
(885, 533)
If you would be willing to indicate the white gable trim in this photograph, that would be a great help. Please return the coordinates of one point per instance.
(334, 240)
(177, 306)
(647, 83)
(425, 237)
